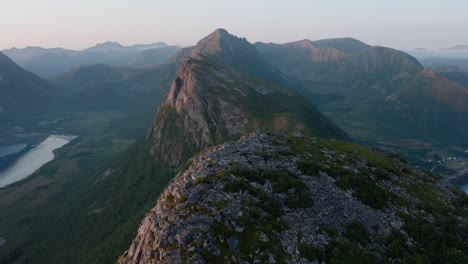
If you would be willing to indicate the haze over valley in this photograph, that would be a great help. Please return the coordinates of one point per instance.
(298, 143)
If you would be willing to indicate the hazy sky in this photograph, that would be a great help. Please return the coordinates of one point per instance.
(78, 24)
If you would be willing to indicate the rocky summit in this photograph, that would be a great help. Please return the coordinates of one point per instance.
(270, 198)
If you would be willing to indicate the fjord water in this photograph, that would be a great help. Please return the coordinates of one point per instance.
(33, 159)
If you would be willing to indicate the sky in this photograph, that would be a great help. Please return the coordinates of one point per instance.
(77, 24)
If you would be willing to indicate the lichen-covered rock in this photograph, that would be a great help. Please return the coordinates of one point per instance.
(277, 199)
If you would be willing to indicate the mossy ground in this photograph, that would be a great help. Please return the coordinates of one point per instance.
(364, 171)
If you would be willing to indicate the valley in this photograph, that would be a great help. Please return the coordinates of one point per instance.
(323, 124)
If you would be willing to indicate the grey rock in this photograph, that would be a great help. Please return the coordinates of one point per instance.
(263, 237)
(233, 242)
(209, 213)
(239, 229)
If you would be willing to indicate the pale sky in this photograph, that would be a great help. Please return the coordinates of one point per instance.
(77, 24)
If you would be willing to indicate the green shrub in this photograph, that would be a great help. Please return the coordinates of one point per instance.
(249, 174)
(356, 232)
(273, 207)
(330, 230)
(308, 167)
(301, 200)
(396, 245)
(236, 185)
(200, 180)
(381, 174)
(398, 157)
(310, 253)
(365, 189)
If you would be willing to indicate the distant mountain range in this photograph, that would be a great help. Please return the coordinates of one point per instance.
(374, 92)
(52, 62)
(458, 47)
(225, 87)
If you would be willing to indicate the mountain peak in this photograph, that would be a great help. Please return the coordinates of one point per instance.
(221, 31)
(230, 50)
(110, 44)
(106, 46)
(220, 40)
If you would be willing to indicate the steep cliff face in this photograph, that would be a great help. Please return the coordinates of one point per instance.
(209, 103)
(277, 199)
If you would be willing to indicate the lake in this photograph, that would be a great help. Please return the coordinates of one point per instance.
(32, 160)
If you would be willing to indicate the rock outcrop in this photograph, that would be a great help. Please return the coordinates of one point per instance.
(277, 199)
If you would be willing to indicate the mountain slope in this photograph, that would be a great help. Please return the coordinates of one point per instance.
(277, 199)
(154, 56)
(131, 91)
(437, 105)
(22, 56)
(341, 61)
(21, 92)
(455, 74)
(209, 103)
(376, 93)
(458, 47)
(85, 75)
(235, 52)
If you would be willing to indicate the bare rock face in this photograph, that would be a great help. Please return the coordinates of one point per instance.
(276, 199)
(209, 103)
(192, 112)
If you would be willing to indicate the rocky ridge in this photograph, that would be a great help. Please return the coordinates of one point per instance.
(209, 103)
(276, 199)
